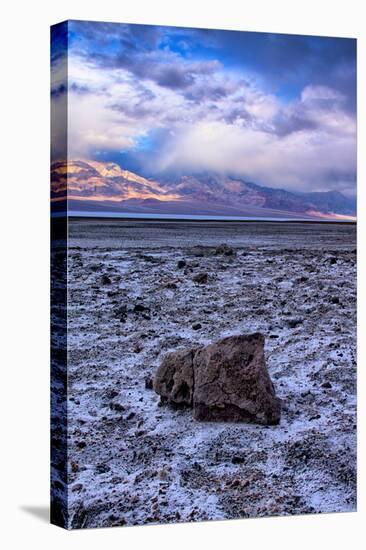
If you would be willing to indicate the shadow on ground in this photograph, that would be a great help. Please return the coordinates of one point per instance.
(40, 512)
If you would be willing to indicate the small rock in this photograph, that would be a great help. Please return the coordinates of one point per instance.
(148, 383)
(163, 474)
(196, 326)
(237, 460)
(225, 250)
(170, 285)
(200, 251)
(148, 258)
(105, 280)
(102, 468)
(74, 467)
(235, 483)
(116, 407)
(293, 323)
(327, 385)
(181, 264)
(121, 313)
(139, 308)
(201, 278)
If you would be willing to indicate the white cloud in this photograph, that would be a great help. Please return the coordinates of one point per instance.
(221, 122)
(299, 161)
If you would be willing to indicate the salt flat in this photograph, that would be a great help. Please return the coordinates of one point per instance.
(132, 461)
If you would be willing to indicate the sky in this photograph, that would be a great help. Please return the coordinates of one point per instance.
(278, 110)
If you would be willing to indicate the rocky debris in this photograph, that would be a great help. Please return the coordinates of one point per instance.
(102, 468)
(170, 285)
(121, 313)
(200, 251)
(293, 323)
(105, 280)
(111, 394)
(117, 407)
(144, 311)
(201, 278)
(237, 460)
(224, 249)
(148, 383)
(148, 258)
(138, 308)
(268, 480)
(74, 467)
(224, 381)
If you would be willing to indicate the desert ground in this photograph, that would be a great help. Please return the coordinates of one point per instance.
(133, 297)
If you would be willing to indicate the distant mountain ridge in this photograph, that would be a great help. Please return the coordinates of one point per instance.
(92, 185)
(234, 190)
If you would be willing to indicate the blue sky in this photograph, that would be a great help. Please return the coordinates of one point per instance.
(279, 110)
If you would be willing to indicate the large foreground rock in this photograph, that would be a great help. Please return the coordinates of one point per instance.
(224, 381)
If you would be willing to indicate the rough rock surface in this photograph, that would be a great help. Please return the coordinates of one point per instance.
(232, 382)
(224, 381)
(174, 378)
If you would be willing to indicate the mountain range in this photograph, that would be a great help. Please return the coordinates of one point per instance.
(92, 186)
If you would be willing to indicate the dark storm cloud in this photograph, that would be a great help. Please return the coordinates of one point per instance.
(286, 124)
(136, 49)
(173, 77)
(290, 61)
(210, 89)
(166, 70)
(286, 63)
(179, 76)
